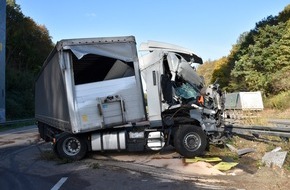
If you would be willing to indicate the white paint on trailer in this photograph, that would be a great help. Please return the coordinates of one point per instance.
(89, 96)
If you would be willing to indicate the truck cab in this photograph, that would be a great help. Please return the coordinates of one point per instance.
(178, 97)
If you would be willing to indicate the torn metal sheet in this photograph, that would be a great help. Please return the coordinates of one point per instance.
(123, 50)
(117, 51)
(183, 69)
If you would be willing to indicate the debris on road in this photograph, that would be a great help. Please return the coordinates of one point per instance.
(242, 151)
(232, 148)
(225, 166)
(221, 166)
(277, 149)
(197, 159)
(274, 158)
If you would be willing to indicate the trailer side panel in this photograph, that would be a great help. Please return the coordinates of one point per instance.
(51, 106)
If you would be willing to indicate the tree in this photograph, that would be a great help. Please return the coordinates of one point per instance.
(268, 55)
(260, 60)
(27, 46)
(206, 70)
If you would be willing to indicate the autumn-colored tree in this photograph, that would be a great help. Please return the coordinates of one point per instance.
(205, 70)
(213, 71)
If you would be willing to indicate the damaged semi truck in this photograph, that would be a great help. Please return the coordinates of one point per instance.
(89, 96)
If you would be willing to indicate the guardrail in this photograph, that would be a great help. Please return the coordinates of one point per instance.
(12, 122)
(280, 122)
(258, 130)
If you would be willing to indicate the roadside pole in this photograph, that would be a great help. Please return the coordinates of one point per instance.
(2, 59)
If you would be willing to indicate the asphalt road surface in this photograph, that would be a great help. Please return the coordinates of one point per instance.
(28, 163)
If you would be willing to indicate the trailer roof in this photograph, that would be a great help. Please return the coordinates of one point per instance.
(123, 48)
(78, 41)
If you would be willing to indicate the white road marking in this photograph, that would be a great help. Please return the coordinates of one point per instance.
(59, 183)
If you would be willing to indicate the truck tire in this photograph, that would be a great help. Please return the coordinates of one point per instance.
(190, 141)
(71, 147)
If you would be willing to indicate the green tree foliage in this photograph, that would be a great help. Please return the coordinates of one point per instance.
(20, 94)
(260, 60)
(27, 42)
(27, 46)
(265, 61)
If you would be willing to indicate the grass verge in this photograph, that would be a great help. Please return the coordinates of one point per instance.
(251, 162)
(280, 101)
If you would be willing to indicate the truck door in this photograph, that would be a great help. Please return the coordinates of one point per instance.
(151, 71)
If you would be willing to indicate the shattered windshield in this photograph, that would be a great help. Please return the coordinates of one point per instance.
(187, 91)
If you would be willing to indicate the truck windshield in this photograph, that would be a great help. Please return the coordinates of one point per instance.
(187, 91)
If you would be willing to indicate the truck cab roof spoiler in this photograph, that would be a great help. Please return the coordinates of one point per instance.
(187, 54)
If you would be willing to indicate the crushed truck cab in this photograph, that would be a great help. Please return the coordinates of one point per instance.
(89, 96)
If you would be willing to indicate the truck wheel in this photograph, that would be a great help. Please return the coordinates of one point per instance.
(190, 141)
(71, 147)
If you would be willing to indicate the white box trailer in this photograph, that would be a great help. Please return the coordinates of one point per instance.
(89, 97)
(76, 92)
(246, 101)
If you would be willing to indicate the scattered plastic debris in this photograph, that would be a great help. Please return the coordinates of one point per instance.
(277, 149)
(274, 157)
(245, 151)
(232, 148)
(197, 159)
(221, 166)
(224, 166)
(240, 152)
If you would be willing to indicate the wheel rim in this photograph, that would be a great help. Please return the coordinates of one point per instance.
(71, 146)
(192, 141)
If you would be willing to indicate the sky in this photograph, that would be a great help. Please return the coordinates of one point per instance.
(207, 27)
